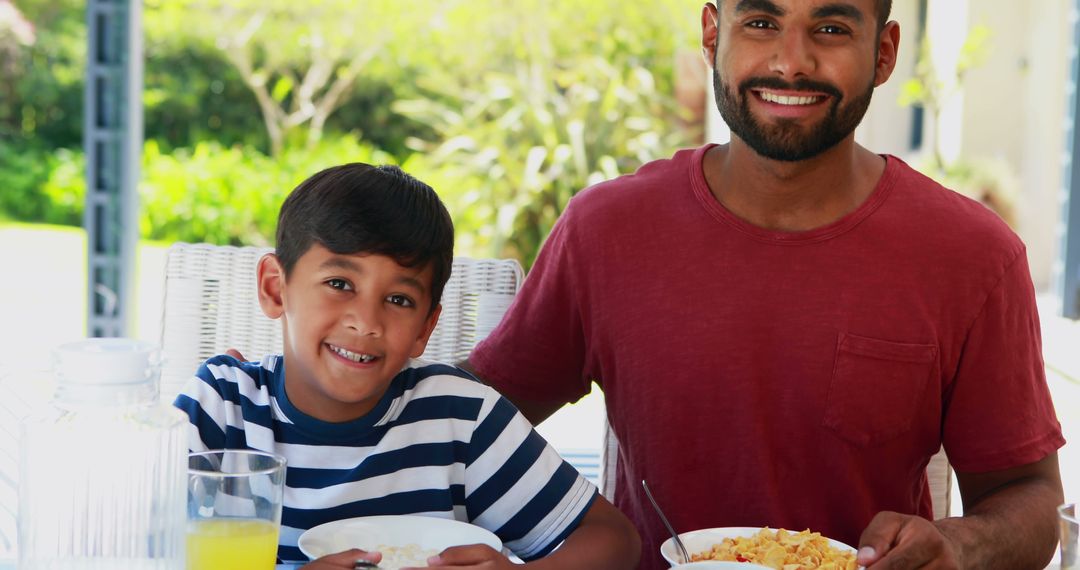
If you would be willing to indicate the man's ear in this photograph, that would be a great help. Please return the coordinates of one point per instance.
(425, 333)
(887, 48)
(710, 20)
(271, 277)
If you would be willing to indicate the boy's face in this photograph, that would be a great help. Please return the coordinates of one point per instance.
(350, 324)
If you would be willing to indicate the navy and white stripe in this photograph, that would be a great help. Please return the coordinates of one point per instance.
(438, 443)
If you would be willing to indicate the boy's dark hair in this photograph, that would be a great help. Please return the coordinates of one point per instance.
(360, 208)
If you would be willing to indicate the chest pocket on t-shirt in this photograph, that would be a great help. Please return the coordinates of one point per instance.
(877, 387)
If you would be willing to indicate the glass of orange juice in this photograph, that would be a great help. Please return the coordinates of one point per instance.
(234, 509)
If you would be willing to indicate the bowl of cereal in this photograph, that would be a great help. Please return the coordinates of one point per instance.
(718, 565)
(403, 540)
(765, 547)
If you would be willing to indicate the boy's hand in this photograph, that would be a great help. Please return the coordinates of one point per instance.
(346, 560)
(473, 556)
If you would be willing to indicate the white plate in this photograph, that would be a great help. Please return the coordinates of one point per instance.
(718, 565)
(701, 540)
(429, 533)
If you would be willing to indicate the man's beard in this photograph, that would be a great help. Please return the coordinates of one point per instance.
(786, 140)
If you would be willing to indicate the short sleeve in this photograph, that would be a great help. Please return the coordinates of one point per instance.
(998, 410)
(518, 487)
(211, 403)
(538, 350)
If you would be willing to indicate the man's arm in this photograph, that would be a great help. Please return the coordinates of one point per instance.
(1009, 521)
(535, 411)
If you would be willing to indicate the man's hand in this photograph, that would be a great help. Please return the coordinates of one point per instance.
(346, 560)
(236, 354)
(1009, 521)
(893, 541)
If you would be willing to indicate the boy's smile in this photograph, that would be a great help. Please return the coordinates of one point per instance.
(351, 323)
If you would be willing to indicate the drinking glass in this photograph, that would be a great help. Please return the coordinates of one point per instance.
(1069, 526)
(234, 509)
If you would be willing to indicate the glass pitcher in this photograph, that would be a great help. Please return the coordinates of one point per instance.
(103, 470)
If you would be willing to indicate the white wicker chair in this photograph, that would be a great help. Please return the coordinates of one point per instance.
(938, 472)
(211, 305)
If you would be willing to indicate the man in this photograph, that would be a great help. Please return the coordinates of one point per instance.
(788, 326)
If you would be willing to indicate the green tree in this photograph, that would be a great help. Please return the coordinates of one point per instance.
(41, 89)
(300, 60)
(567, 94)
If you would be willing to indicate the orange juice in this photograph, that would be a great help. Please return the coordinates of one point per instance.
(232, 544)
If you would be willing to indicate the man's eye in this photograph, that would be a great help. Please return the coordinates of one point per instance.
(759, 24)
(401, 300)
(339, 284)
(832, 30)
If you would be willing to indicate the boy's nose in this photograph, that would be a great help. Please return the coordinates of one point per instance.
(363, 320)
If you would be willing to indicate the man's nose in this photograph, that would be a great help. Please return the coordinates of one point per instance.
(794, 56)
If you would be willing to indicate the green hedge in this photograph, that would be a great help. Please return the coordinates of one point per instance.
(208, 193)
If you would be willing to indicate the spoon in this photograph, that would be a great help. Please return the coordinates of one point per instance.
(674, 535)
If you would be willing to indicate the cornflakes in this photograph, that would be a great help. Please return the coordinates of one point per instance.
(781, 550)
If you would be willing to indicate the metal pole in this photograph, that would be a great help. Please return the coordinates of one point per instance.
(112, 140)
(1068, 266)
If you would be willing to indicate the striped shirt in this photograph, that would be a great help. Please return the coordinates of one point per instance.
(438, 444)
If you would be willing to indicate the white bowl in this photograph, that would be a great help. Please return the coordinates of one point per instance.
(719, 565)
(704, 539)
(429, 533)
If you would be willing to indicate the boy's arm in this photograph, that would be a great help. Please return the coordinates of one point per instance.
(204, 405)
(603, 540)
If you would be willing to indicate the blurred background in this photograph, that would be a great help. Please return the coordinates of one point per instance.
(506, 108)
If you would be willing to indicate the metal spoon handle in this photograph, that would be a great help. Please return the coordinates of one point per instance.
(678, 542)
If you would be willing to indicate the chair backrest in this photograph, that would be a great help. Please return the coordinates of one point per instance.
(211, 305)
(938, 472)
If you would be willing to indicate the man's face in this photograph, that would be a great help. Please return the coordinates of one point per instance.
(795, 77)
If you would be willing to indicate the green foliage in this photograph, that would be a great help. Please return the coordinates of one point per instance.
(566, 98)
(229, 195)
(209, 193)
(506, 108)
(25, 172)
(192, 94)
(41, 94)
(300, 60)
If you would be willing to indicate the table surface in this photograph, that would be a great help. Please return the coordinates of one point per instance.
(10, 565)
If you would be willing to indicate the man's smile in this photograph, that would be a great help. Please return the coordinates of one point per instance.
(790, 100)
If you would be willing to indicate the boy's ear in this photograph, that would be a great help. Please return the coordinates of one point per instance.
(271, 276)
(425, 333)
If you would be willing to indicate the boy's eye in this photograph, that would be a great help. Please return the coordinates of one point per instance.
(339, 284)
(401, 300)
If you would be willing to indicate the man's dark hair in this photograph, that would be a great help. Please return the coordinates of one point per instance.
(883, 7)
(360, 208)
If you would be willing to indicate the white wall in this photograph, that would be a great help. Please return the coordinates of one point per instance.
(1015, 110)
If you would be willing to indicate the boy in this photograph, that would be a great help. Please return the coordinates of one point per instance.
(362, 256)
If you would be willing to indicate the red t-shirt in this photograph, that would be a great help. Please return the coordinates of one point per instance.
(796, 380)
